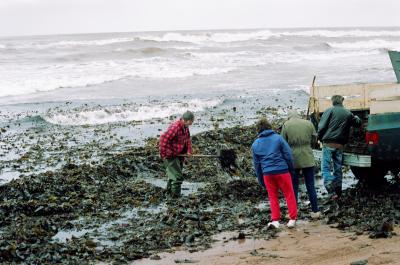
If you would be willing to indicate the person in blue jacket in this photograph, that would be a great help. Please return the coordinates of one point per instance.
(273, 164)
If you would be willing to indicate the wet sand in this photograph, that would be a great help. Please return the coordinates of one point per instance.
(310, 243)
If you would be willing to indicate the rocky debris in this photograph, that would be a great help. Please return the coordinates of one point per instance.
(155, 257)
(185, 261)
(359, 262)
(366, 209)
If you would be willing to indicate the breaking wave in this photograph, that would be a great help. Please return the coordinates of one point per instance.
(29, 79)
(149, 51)
(317, 47)
(342, 33)
(265, 35)
(370, 44)
(36, 119)
(71, 44)
(302, 88)
(115, 114)
(142, 56)
(294, 57)
(211, 37)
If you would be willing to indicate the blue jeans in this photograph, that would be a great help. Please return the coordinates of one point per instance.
(308, 174)
(332, 182)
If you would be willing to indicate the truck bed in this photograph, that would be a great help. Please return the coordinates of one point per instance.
(372, 97)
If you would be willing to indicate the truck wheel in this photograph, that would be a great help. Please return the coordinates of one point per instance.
(371, 175)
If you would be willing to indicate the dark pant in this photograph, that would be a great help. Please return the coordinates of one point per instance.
(308, 174)
(173, 167)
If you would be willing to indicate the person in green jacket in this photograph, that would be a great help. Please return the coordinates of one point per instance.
(300, 134)
(333, 132)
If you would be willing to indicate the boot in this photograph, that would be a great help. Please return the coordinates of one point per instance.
(338, 191)
(168, 188)
(175, 191)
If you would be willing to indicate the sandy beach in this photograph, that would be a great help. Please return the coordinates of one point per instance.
(311, 243)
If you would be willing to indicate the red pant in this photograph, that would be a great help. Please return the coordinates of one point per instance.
(282, 182)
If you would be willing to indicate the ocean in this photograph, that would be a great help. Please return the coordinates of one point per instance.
(73, 98)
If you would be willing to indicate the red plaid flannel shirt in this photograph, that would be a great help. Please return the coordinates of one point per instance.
(174, 140)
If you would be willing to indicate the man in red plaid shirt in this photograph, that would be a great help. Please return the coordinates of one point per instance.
(174, 142)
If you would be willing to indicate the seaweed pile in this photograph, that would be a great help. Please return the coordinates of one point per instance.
(35, 208)
(357, 143)
(96, 199)
(366, 210)
(110, 212)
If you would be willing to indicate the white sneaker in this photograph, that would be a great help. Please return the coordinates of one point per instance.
(315, 215)
(291, 223)
(273, 224)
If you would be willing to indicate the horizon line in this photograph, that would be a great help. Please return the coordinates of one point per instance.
(184, 30)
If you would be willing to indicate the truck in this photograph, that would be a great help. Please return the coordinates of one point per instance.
(374, 148)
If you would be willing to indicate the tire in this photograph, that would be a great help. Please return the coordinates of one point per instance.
(371, 175)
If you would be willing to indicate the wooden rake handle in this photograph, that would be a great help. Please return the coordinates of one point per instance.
(214, 156)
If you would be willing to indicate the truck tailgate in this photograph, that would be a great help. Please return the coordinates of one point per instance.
(349, 159)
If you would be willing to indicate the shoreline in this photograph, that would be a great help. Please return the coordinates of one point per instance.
(34, 145)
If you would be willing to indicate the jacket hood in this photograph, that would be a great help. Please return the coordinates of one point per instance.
(293, 114)
(266, 133)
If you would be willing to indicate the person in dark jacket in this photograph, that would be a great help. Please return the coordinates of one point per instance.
(174, 142)
(273, 163)
(333, 132)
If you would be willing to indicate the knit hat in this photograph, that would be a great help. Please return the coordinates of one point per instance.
(188, 116)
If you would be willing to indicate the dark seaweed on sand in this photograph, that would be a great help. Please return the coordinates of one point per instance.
(114, 205)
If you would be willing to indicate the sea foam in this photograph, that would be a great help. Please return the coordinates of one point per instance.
(224, 37)
(341, 33)
(369, 44)
(72, 44)
(114, 114)
(26, 79)
(211, 37)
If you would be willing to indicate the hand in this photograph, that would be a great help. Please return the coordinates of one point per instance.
(189, 154)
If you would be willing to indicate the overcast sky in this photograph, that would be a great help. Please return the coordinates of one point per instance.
(33, 17)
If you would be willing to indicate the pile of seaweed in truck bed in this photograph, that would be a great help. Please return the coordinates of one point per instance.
(357, 143)
(111, 212)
